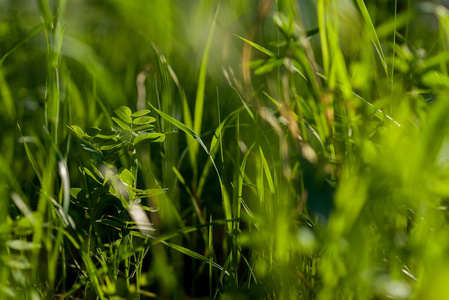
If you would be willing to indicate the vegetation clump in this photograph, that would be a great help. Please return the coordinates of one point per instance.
(224, 149)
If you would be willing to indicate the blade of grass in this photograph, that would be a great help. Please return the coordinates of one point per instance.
(199, 100)
(258, 47)
(189, 192)
(192, 254)
(190, 132)
(266, 170)
(211, 256)
(372, 32)
(30, 34)
(322, 8)
(216, 141)
(30, 155)
(240, 181)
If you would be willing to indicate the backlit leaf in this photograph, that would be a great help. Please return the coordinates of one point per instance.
(141, 113)
(124, 113)
(143, 120)
(154, 137)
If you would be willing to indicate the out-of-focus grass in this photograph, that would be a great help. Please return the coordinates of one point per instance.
(304, 155)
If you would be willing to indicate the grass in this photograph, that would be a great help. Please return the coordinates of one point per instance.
(224, 150)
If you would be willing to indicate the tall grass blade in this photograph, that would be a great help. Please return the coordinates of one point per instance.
(199, 100)
(30, 34)
(214, 147)
(190, 132)
(373, 34)
(30, 155)
(181, 126)
(192, 254)
(266, 170)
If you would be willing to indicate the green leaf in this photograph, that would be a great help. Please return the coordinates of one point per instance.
(256, 63)
(19, 262)
(124, 113)
(30, 156)
(35, 30)
(436, 80)
(216, 139)
(267, 172)
(192, 254)
(143, 128)
(127, 177)
(86, 143)
(372, 33)
(75, 192)
(267, 67)
(22, 245)
(143, 120)
(111, 223)
(151, 192)
(111, 146)
(141, 113)
(190, 132)
(122, 124)
(91, 175)
(77, 131)
(150, 209)
(199, 100)
(154, 137)
(258, 47)
(181, 126)
(242, 174)
(106, 135)
(91, 147)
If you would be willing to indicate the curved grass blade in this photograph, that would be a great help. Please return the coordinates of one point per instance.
(258, 47)
(199, 101)
(372, 33)
(35, 30)
(30, 155)
(187, 117)
(192, 254)
(190, 132)
(214, 148)
(189, 192)
(181, 126)
(266, 170)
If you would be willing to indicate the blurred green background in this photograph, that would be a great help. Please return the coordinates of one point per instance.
(325, 126)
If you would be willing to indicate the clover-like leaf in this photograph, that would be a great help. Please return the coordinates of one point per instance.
(127, 177)
(143, 120)
(153, 137)
(143, 127)
(22, 245)
(77, 131)
(106, 134)
(111, 146)
(124, 113)
(122, 124)
(141, 113)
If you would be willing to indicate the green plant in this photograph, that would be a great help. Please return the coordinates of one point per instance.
(110, 196)
(294, 149)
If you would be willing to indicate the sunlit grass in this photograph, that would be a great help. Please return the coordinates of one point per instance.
(238, 149)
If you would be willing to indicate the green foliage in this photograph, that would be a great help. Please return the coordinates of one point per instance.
(294, 149)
